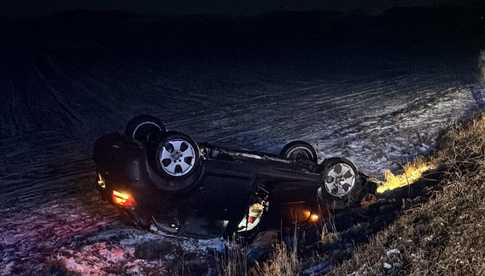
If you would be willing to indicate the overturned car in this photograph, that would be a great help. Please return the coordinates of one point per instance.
(165, 181)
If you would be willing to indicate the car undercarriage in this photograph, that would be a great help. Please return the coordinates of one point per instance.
(164, 181)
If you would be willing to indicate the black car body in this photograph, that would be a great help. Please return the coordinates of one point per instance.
(165, 180)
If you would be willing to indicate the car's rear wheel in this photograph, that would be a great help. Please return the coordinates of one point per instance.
(178, 162)
(341, 184)
(141, 127)
(298, 151)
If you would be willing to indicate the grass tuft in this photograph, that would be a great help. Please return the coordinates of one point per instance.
(284, 262)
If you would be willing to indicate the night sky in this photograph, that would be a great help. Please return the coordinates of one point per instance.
(22, 8)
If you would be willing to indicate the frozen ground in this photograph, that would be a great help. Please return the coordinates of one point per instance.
(377, 107)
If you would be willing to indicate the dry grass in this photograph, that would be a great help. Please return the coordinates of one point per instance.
(234, 261)
(284, 262)
(446, 234)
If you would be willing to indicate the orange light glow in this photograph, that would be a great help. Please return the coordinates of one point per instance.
(412, 173)
(306, 214)
(123, 199)
(314, 218)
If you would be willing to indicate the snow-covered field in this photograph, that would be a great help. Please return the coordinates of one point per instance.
(378, 107)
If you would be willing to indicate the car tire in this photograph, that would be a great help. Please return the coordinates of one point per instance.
(299, 150)
(177, 159)
(142, 127)
(341, 183)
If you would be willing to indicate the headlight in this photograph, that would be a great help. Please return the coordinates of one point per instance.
(101, 182)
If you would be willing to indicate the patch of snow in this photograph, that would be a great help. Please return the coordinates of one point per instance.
(318, 269)
(7, 269)
(393, 252)
(105, 259)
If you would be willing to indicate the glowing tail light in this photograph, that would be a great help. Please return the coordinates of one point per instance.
(123, 199)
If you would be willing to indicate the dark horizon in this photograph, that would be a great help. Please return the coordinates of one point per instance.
(26, 9)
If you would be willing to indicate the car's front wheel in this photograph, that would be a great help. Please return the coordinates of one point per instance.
(178, 162)
(341, 184)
